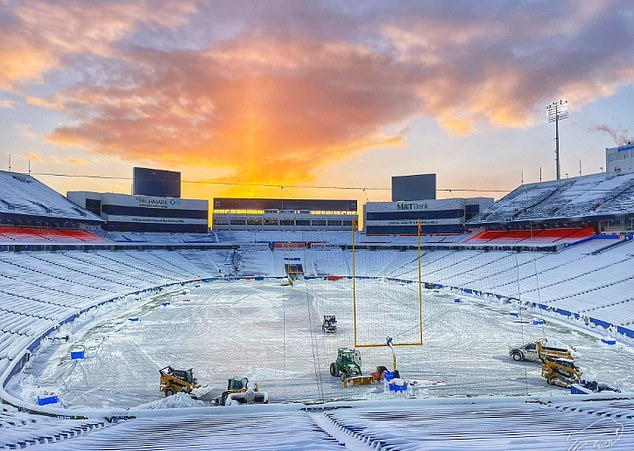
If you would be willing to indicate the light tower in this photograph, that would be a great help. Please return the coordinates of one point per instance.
(556, 111)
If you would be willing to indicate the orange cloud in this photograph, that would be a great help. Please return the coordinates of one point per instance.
(8, 104)
(34, 156)
(230, 110)
(72, 26)
(39, 37)
(76, 161)
(22, 59)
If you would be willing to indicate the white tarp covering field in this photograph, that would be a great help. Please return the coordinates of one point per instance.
(272, 334)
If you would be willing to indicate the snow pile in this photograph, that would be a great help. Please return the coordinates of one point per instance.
(176, 401)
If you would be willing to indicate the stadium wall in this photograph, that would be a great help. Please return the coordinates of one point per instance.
(619, 160)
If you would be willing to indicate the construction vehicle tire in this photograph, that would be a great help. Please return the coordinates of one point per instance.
(517, 357)
(334, 371)
(169, 392)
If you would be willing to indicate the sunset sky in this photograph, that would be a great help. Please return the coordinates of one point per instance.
(241, 94)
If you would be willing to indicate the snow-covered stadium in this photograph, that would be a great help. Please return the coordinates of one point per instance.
(88, 318)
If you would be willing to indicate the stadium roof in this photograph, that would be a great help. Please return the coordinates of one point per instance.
(24, 197)
(589, 197)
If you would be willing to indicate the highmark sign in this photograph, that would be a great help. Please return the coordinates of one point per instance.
(412, 206)
(157, 203)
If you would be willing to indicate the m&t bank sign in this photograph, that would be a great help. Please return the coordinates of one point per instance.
(412, 206)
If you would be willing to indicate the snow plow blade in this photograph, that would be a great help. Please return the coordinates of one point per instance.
(358, 380)
(240, 392)
(206, 393)
(248, 397)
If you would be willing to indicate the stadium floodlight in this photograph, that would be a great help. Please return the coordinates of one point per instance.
(556, 111)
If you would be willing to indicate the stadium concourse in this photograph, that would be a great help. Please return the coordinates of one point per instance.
(132, 303)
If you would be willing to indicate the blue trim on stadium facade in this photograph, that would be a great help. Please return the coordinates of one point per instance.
(413, 229)
(144, 212)
(154, 227)
(22, 218)
(552, 222)
(418, 214)
(226, 203)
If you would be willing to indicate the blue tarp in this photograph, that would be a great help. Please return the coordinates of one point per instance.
(625, 331)
(601, 323)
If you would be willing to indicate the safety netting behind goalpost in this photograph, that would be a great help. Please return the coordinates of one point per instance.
(383, 305)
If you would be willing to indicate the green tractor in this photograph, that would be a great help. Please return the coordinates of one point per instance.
(348, 363)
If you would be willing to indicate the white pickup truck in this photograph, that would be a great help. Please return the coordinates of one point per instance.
(536, 351)
(525, 352)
